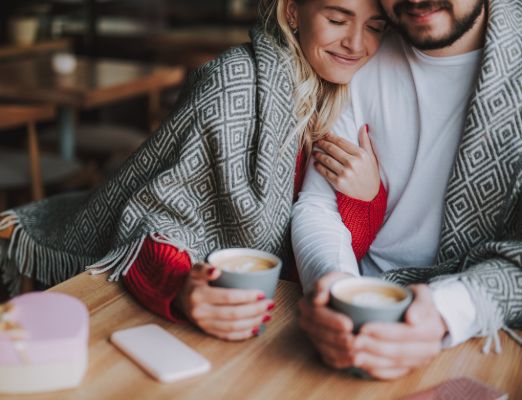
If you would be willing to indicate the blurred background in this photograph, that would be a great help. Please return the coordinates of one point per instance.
(84, 82)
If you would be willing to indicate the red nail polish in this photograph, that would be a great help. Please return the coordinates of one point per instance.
(367, 128)
(261, 296)
(270, 307)
(267, 318)
(255, 331)
(210, 271)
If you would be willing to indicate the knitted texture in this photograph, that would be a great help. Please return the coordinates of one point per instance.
(218, 173)
(363, 219)
(481, 239)
(157, 275)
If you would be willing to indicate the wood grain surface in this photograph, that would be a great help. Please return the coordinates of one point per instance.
(279, 364)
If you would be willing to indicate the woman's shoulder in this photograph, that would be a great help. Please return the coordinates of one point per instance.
(236, 63)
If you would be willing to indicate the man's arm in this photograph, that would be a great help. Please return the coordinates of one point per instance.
(491, 272)
(320, 241)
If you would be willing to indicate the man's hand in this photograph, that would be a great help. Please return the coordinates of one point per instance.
(329, 331)
(389, 351)
(229, 314)
(384, 350)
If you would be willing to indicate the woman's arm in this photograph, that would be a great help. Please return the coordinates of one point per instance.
(361, 197)
(330, 230)
(362, 218)
(163, 280)
(156, 277)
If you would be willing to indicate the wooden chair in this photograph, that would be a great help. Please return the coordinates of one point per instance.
(12, 162)
(17, 116)
(19, 169)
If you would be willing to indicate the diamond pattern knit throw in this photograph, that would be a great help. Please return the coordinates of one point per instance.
(218, 173)
(481, 241)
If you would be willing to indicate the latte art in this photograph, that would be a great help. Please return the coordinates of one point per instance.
(371, 296)
(245, 264)
(373, 299)
(368, 299)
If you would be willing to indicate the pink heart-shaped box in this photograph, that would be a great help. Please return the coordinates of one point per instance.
(48, 348)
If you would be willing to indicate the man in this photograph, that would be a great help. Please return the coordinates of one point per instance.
(443, 99)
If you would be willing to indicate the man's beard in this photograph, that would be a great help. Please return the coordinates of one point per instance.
(459, 28)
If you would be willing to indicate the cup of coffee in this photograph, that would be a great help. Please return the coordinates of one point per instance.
(370, 299)
(243, 268)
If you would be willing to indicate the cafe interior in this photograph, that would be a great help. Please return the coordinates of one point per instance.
(83, 83)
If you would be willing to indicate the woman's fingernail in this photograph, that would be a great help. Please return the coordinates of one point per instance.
(210, 271)
(270, 307)
(267, 318)
(357, 344)
(356, 360)
(261, 296)
(367, 128)
(255, 331)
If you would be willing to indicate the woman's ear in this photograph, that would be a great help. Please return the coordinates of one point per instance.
(291, 14)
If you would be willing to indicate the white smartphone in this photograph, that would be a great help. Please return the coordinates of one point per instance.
(159, 353)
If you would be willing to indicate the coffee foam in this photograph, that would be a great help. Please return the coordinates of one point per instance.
(373, 299)
(376, 296)
(243, 264)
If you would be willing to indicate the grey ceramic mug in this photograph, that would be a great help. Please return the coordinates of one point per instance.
(264, 280)
(362, 313)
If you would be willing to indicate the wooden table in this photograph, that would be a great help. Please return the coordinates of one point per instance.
(279, 364)
(94, 83)
(43, 46)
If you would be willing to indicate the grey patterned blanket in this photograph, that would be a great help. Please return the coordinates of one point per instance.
(218, 173)
(481, 242)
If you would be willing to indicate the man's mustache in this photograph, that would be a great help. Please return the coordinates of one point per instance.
(427, 6)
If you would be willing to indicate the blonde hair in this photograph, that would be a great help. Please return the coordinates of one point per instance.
(318, 103)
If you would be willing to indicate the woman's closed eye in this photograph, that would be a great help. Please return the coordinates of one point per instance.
(336, 21)
(376, 27)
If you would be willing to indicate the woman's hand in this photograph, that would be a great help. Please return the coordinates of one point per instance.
(352, 170)
(229, 314)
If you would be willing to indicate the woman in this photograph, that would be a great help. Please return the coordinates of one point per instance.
(219, 173)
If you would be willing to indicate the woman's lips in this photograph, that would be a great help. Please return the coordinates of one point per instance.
(344, 59)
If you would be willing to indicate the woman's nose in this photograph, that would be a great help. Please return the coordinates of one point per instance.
(354, 39)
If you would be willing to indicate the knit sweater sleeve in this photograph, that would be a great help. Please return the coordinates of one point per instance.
(156, 277)
(362, 218)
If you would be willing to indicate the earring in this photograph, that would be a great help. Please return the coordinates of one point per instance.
(293, 27)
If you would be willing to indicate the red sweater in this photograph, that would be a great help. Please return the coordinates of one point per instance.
(159, 272)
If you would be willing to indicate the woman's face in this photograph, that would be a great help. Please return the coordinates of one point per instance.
(337, 37)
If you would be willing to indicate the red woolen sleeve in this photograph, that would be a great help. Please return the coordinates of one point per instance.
(156, 277)
(363, 219)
